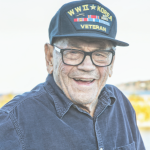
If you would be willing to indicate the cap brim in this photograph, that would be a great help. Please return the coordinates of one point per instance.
(94, 35)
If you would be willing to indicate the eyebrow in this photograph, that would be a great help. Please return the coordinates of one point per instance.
(78, 47)
(74, 45)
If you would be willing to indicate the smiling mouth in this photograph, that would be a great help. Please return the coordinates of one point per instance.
(84, 81)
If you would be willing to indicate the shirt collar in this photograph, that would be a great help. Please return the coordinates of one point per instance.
(63, 104)
(111, 96)
(105, 99)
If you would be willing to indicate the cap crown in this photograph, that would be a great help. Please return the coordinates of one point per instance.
(87, 18)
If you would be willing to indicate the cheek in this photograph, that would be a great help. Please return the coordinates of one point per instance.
(103, 71)
(64, 70)
(62, 73)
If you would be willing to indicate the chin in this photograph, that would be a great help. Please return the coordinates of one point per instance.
(82, 98)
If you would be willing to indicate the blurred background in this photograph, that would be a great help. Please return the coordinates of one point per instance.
(24, 31)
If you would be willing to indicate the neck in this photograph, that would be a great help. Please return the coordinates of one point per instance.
(90, 108)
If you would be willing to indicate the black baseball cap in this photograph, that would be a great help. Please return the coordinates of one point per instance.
(85, 18)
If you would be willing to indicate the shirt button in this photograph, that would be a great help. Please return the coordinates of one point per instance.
(101, 149)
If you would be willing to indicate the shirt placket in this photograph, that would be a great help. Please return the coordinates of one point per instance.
(98, 136)
(97, 126)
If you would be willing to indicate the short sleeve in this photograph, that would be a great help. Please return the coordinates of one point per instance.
(9, 138)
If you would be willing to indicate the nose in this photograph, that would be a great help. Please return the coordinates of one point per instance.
(87, 65)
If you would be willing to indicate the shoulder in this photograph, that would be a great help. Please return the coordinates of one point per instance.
(122, 105)
(12, 115)
(27, 100)
(116, 92)
(21, 113)
(125, 114)
(121, 100)
(113, 89)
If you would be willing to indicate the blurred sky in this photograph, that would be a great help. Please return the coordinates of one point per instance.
(24, 31)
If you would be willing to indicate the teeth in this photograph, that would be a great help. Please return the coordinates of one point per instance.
(84, 79)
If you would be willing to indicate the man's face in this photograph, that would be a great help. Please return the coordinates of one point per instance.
(82, 84)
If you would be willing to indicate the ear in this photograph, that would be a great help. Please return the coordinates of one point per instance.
(48, 49)
(111, 67)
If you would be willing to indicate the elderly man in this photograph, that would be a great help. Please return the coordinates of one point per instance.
(74, 109)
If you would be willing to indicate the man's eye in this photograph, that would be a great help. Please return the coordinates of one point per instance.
(99, 55)
(73, 52)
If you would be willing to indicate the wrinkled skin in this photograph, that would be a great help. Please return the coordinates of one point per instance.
(82, 93)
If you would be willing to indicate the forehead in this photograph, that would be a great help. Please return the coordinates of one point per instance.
(80, 42)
